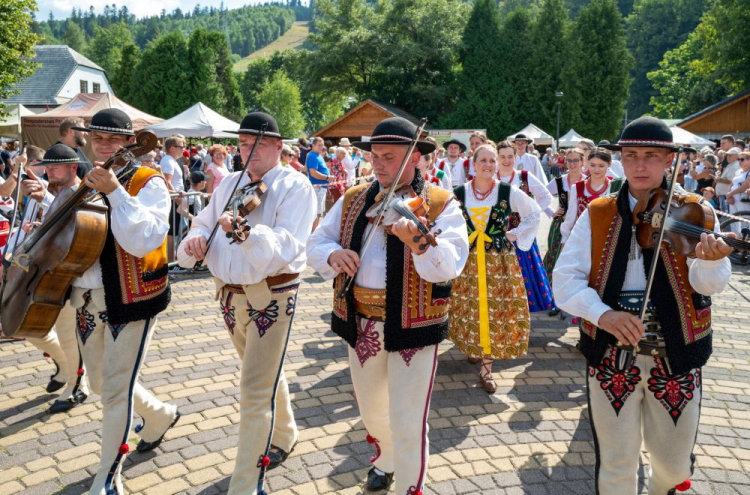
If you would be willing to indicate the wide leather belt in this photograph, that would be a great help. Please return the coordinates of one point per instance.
(369, 303)
(272, 281)
(652, 342)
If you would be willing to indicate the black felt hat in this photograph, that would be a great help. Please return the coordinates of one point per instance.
(110, 121)
(522, 137)
(59, 154)
(645, 132)
(455, 141)
(253, 123)
(395, 130)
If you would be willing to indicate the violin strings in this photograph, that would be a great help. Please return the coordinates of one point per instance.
(688, 229)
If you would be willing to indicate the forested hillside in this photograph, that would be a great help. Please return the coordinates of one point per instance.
(247, 28)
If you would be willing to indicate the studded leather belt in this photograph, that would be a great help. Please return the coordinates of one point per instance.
(652, 342)
(272, 281)
(369, 303)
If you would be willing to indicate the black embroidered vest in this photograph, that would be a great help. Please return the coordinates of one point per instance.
(684, 315)
(416, 311)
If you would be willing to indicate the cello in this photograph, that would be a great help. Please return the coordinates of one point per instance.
(37, 279)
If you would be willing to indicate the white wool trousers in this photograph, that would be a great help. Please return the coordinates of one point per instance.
(61, 345)
(393, 391)
(113, 355)
(631, 404)
(259, 321)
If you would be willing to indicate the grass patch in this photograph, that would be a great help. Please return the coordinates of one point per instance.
(291, 40)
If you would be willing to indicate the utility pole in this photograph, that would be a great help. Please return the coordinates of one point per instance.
(559, 95)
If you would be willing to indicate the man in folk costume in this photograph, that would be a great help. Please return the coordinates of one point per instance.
(527, 161)
(118, 299)
(641, 380)
(393, 335)
(428, 167)
(61, 163)
(256, 283)
(453, 165)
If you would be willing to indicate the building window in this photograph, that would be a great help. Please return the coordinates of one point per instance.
(97, 88)
(84, 86)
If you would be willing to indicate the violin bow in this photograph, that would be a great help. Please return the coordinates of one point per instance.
(384, 204)
(654, 261)
(16, 208)
(263, 128)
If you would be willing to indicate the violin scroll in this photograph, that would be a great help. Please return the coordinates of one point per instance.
(243, 202)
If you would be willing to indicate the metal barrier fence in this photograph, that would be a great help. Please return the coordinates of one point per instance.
(180, 226)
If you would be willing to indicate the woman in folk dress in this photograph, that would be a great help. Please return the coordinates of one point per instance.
(538, 288)
(595, 186)
(490, 319)
(560, 186)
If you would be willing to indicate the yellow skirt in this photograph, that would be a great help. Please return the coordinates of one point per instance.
(510, 322)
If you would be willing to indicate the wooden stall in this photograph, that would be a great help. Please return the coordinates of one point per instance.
(730, 116)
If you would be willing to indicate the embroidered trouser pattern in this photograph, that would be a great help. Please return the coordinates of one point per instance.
(113, 360)
(61, 345)
(393, 391)
(260, 335)
(642, 402)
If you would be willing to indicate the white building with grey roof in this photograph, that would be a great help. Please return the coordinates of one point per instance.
(62, 74)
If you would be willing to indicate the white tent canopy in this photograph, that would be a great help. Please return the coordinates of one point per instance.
(681, 136)
(570, 139)
(11, 124)
(535, 133)
(198, 121)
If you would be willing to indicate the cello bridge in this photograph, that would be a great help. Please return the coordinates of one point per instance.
(22, 261)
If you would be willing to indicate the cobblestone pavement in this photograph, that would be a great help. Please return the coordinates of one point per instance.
(532, 436)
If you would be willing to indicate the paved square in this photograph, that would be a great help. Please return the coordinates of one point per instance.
(532, 436)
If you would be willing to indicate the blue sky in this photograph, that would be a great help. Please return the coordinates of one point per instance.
(61, 8)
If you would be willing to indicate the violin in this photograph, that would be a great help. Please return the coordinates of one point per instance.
(244, 201)
(406, 203)
(688, 218)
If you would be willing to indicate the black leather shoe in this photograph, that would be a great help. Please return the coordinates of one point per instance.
(554, 312)
(66, 405)
(54, 385)
(144, 446)
(378, 482)
(278, 456)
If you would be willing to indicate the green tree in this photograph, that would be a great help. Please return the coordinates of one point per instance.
(514, 96)
(161, 81)
(225, 77)
(403, 52)
(123, 77)
(106, 46)
(16, 45)
(74, 37)
(319, 105)
(254, 79)
(480, 80)
(653, 28)
(548, 55)
(282, 99)
(712, 63)
(203, 63)
(685, 82)
(730, 20)
(606, 79)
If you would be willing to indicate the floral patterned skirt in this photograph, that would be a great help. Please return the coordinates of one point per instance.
(554, 246)
(538, 288)
(510, 322)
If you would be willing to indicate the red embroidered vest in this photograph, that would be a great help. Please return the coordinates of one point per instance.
(134, 288)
